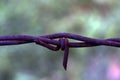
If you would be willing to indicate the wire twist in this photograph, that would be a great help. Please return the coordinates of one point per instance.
(59, 41)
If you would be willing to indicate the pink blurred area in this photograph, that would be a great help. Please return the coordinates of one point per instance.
(113, 72)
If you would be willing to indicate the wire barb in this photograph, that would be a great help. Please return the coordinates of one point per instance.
(59, 41)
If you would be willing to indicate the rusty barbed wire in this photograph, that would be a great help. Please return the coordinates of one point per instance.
(59, 41)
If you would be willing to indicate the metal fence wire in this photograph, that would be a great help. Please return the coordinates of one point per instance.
(59, 41)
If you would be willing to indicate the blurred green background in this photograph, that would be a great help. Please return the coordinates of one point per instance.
(91, 18)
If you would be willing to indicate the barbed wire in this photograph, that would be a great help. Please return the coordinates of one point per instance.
(59, 41)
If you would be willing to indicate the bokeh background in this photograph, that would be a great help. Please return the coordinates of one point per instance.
(91, 18)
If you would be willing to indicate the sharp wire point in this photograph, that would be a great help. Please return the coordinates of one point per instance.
(66, 54)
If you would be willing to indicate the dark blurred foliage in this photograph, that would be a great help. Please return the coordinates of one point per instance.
(91, 18)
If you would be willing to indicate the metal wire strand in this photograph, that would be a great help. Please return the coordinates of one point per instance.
(59, 41)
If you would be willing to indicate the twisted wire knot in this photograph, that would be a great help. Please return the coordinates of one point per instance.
(50, 42)
(64, 45)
